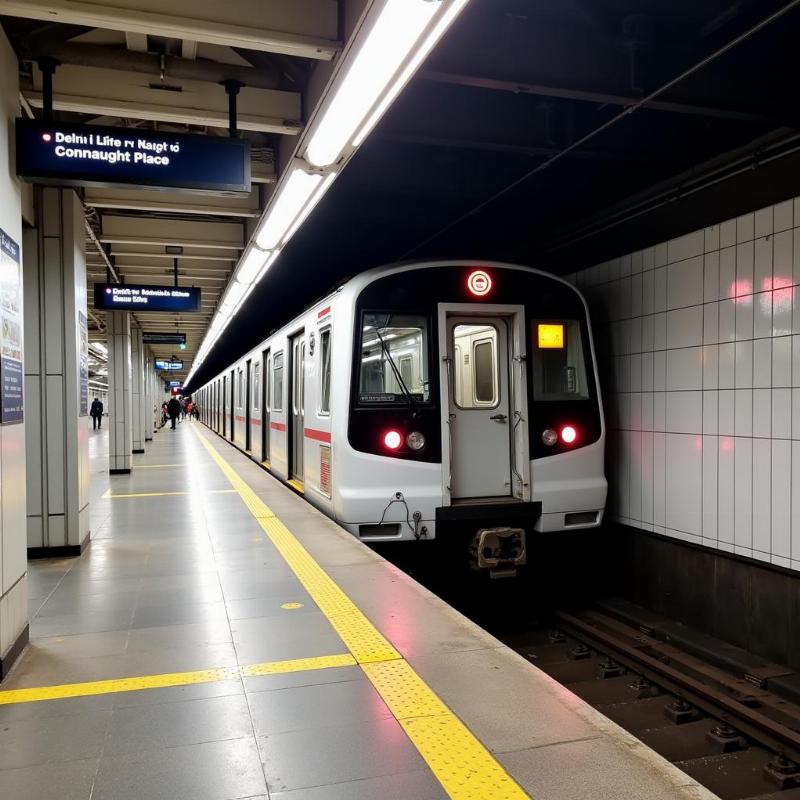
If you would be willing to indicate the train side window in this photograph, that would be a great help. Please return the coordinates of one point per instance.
(559, 362)
(277, 382)
(256, 385)
(325, 371)
(240, 389)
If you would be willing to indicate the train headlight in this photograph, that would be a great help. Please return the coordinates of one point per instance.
(392, 439)
(549, 437)
(415, 440)
(568, 434)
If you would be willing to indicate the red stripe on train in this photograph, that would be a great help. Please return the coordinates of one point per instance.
(320, 436)
(277, 426)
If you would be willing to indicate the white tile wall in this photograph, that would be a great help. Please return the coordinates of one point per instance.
(699, 347)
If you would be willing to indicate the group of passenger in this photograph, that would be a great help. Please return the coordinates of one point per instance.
(173, 410)
(178, 409)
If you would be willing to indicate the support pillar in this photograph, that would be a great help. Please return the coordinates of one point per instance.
(137, 390)
(13, 565)
(120, 411)
(56, 377)
(149, 400)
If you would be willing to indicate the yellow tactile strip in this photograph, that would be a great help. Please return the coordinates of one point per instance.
(463, 766)
(165, 680)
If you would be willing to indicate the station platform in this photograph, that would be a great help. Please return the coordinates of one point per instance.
(222, 639)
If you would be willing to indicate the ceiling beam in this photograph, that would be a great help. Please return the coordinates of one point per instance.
(117, 93)
(163, 241)
(601, 98)
(304, 28)
(183, 68)
(174, 202)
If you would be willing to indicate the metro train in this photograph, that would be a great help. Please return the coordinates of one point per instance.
(437, 399)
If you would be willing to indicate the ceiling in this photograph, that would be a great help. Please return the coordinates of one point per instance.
(524, 138)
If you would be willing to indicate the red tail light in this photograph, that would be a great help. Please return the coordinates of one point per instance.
(568, 434)
(392, 439)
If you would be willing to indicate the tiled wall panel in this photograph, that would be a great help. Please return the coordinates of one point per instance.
(699, 346)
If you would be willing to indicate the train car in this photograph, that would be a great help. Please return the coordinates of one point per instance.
(439, 399)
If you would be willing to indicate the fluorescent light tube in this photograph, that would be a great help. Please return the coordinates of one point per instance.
(285, 208)
(329, 179)
(270, 261)
(442, 24)
(251, 265)
(392, 38)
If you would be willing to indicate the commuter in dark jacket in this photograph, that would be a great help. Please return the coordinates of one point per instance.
(174, 409)
(96, 413)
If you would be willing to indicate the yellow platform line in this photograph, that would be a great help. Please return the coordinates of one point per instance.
(165, 680)
(108, 496)
(463, 766)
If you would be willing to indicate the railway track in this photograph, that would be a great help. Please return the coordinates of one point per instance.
(730, 732)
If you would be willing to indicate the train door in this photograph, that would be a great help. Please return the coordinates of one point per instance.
(480, 407)
(247, 405)
(224, 405)
(233, 402)
(266, 372)
(297, 407)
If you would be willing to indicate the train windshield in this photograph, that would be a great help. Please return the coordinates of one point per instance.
(394, 358)
(559, 364)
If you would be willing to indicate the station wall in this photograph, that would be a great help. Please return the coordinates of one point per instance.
(699, 346)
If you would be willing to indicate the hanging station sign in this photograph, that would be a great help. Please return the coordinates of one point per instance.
(94, 155)
(167, 337)
(162, 363)
(135, 297)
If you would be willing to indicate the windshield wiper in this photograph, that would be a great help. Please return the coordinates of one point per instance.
(412, 404)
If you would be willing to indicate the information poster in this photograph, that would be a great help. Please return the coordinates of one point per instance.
(11, 377)
(83, 381)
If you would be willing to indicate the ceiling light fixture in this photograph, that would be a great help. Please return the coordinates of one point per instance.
(392, 48)
(286, 206)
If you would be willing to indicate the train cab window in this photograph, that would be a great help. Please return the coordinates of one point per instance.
(256, 385)
(393, 361)
(325, 372)
(277, 382)
(475, 377)
(559, 363)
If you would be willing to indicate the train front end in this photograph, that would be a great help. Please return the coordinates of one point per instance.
(474, 410)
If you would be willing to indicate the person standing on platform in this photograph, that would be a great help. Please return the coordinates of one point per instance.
(174, 409)
(96, 412)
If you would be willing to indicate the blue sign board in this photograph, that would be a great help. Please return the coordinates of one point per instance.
(134, 297)
(94, 155)
(162, 363)
(11, 377)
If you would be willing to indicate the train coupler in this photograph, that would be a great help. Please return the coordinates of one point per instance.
(500, 550)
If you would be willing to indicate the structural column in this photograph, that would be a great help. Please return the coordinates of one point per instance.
(56, 377)
(13, 565)
(149, 414)
(137, 389)
(120, 407)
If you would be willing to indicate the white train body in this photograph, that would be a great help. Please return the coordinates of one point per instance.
(481, 364)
